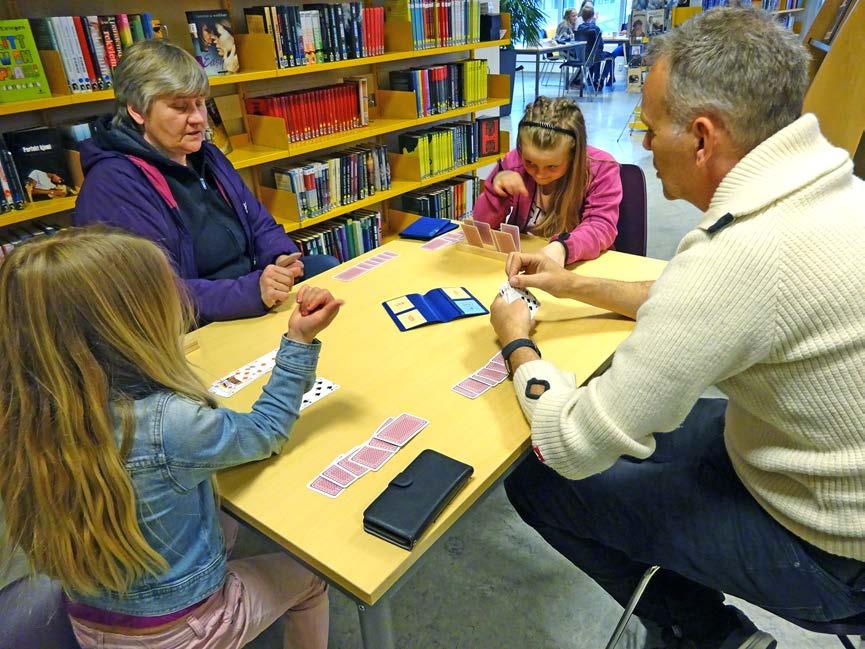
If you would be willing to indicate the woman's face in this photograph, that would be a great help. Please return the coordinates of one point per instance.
(175, 125)
(546, 166)
(224, 40)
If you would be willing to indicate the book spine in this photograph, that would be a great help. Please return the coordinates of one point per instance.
(99, 50)
(92, 77)
(124, 29)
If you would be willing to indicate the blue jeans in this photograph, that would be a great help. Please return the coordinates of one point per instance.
(316, 264)
(686, 510)
(32, 616)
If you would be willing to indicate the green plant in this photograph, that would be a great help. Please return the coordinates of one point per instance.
(527, 20)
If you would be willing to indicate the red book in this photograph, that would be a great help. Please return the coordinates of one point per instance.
(380, 27)
(85, 52)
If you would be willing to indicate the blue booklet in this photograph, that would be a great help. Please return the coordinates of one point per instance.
(438, 305)
(426, 228)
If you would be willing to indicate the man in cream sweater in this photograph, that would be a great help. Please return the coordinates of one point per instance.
(761, 496)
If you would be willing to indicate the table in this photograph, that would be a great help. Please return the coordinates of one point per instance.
(383, 372)
(537, 50)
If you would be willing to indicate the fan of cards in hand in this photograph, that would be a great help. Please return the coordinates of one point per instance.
(511, 294)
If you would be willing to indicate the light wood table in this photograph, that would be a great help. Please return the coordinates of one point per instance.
(383, 372)
(539, 50)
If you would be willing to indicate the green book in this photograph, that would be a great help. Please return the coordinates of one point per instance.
(21, 73)
(137, 27)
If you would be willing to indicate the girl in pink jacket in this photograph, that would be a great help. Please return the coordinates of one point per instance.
(554, 185)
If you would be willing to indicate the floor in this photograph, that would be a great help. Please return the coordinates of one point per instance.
(491, 582)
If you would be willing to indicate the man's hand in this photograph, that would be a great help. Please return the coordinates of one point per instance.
(316, 308)
(556, 251)
(526, 270)
(509, 183)
(510, 321)
(275, 284)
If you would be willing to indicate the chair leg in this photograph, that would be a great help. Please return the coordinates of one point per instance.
(846, 642)
(632, 604)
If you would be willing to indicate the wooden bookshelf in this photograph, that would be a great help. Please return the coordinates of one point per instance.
(61, 100)
(37, 210)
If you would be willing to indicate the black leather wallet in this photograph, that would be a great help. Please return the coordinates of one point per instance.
(415, 497)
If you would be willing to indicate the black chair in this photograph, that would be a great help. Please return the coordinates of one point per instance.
(839, 628)
(576, 61)
(633, 212)
(597, 57)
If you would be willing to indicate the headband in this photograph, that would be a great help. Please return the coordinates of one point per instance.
(549, 127)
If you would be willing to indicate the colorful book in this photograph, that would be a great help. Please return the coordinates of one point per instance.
(213, 41)
(21, 73)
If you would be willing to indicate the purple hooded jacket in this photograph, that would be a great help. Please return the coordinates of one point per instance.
(128, 192)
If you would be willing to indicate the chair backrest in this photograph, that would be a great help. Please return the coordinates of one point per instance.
(593, 44)
(577, 53)
(632, 212)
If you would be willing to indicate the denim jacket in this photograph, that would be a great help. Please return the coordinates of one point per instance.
(179, 444)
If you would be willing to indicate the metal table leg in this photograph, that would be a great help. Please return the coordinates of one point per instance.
(537, 73)
(376, 625)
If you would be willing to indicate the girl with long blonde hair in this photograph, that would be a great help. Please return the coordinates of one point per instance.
(555, 185)
(109, 441)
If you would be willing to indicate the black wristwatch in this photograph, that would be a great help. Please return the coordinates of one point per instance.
(513, 346)
(563, 239)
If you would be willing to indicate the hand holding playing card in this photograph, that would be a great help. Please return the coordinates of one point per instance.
(510, 321)
(316, 309)
(291, 263)
(275, 283)
(538, 271)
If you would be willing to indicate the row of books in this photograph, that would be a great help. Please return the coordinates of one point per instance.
(33, 167)
(319, 33)
(319, 111)
(448, 146)
(440, 88)
(345, 237)
(346, 176)
(452, 199)
(90, 47)
(10, 238)
(438, 23)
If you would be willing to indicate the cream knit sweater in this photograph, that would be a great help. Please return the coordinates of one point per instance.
(771, 308)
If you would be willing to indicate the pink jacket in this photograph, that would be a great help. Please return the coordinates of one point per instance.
(596, 230)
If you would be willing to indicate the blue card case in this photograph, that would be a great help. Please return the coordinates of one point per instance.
(435, 306)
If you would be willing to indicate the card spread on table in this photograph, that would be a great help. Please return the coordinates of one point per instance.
(392, 434)
(511, 294)
(437, 305)
(232, 383)
(353, 272)
(487, 377)
(443, 240)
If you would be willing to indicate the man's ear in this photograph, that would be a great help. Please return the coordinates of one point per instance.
(135, 115)
(705, 133)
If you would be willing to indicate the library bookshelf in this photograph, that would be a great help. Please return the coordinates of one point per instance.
(259, 140)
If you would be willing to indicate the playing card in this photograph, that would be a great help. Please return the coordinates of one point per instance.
(485, 231)
(503, 241)
(387, 254)
(375, 442)
(325, 486)
(319, 390)
(352, 467)
(240, 378)
(472, 235)
(435, 244)
(366, 265)
(347, 275)
(401, 429)
(514, 231)
(465, 393)
(486, 380)
(511, 294)
(372, 458)
(492, 373)
(342, 477)
(472, 385)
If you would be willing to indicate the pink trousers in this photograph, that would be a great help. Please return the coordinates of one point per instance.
(256, 592)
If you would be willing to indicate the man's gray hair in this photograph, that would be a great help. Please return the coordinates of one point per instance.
(155, 69)
(738, 65)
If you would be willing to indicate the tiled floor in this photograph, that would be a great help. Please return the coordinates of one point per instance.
(491, 583)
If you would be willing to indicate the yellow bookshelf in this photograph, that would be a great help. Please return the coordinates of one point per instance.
(37, 211)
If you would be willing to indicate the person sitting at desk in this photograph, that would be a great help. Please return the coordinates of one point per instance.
(555, 185)
(761, 496)
(111, 443)
(591, 33)
(565, 30)
(149, 171)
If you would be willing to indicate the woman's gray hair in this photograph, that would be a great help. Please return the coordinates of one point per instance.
(738, 65)
(151, 70)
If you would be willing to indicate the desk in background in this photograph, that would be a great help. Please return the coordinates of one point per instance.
(538, 50)
(383, 372)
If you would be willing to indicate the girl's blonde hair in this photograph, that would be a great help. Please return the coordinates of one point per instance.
(561, 114)
(90, 316)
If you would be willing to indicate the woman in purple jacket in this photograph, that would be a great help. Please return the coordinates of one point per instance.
(554, 185)
(149, 171)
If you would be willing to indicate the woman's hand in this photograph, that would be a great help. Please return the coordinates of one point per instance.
(316, 308)
(278, 279)
(509, 183)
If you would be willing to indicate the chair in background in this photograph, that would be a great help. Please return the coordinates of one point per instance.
(573, 68)
(839, 628)
(633, 212)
